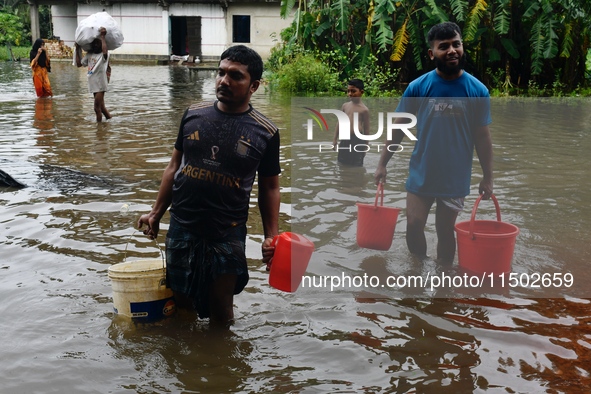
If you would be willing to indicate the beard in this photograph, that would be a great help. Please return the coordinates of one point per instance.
(450, 70)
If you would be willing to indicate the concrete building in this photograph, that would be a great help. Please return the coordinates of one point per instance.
(157, 29)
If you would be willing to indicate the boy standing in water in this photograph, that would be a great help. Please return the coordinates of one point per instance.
(347, 153)
(97, 61)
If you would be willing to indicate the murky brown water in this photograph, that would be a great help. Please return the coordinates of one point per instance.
(88, 183)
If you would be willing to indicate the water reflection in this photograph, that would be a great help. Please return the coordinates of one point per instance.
(353, 180)
(88, 183)
(180, 353)
(43, 114)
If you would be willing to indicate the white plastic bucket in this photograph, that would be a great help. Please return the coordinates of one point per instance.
(139, 290)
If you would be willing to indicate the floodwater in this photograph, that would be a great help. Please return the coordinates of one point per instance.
(88, 183)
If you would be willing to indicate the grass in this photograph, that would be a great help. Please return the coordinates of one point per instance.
(17, 52)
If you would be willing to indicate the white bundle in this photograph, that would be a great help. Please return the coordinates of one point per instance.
(88, 30)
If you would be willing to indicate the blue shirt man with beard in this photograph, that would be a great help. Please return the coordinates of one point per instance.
(453, 113)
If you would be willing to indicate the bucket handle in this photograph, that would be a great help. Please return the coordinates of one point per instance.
(379, 193)
(473, 217)
(157, 245)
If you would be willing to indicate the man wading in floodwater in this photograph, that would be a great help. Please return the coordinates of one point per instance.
(451, 123)
(97, 62)
(220, 148)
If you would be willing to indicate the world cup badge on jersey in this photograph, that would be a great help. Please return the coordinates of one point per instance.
(214, 152)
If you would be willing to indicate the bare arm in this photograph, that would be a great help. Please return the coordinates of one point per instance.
(335, 139)
(164, 198)
(386, 155)
(483, 144)
(104, 48)
(269, 200)
(364, 115)
(78, 52)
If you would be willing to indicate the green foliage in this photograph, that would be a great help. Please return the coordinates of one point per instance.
(304, 74)
(534, 89)
(525, 41)
(502, 17)
(380, 30)
(11, 4)
(11, 29)
(379, 80)
(439, 13)
(299, 71)
(45, 26)
(510, 47)
(341, 9)
(417, 45)
(281, 54)
(459, 9)
(567, 43)
(473, 20)
(286, 7)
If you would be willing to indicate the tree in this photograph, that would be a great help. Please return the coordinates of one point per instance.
(11, 29)
(10, 4)
(544, 41)
(45, 26)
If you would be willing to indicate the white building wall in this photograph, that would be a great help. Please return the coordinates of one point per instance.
(145, 27)
(213, 26)
(65, 20)
(265, 23)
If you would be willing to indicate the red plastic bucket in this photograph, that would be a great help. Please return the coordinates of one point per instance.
(290, 261)
(486, 246)
(376, 223)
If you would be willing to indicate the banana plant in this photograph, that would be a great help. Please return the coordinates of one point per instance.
(543, 39)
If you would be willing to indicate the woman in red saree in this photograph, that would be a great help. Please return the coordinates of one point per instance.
(41, 65)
